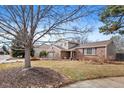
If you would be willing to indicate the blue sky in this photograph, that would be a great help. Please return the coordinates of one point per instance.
(95, 35)
(93, 21)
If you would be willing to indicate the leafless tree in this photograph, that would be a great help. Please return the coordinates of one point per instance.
(82, 38)
(28, 24)
(119, 42)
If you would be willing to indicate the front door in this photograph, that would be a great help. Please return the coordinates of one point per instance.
(65, 54)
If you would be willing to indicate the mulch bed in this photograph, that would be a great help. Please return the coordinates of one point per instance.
(34, 77)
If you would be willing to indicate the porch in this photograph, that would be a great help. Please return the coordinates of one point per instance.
(68, 55)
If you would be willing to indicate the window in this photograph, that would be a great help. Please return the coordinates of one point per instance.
(89, 51)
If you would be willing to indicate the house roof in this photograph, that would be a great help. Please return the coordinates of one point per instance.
(63, 49)
(58, 47)
(95, 44)
(88, 45)
(44, 46)
(74, 42)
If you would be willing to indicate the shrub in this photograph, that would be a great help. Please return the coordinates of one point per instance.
(1, 53)
(43, 54)
(17, 49)
(21, 53)
(102, 60)
(18, 53)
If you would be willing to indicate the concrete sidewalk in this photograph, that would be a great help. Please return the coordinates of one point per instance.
(113, 82)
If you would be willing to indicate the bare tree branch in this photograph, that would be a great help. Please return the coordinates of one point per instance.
(28, 24)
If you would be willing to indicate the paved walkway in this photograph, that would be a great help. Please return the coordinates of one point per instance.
(113, 82)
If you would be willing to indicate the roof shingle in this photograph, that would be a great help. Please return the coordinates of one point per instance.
(95, 44)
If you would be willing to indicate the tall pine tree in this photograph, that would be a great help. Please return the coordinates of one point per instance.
(113, 19)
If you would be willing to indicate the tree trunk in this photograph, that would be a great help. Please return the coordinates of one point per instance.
(27, 58)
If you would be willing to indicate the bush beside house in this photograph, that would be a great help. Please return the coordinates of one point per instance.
(20, 53)
(43, 54)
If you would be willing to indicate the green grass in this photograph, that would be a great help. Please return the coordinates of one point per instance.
(75, 70)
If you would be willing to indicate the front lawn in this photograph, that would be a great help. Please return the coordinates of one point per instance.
(75, 70)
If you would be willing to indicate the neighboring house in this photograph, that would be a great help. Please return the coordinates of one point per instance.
(64, 49)
(120, 55)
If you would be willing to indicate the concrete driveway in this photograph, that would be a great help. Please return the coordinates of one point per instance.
(4, 59)
(113, 82)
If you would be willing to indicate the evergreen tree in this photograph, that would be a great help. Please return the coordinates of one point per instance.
(5, 50)
(113, 19)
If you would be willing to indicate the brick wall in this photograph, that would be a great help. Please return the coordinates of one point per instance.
(100, 54)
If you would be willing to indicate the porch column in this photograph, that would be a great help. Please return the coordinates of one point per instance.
(71, 55)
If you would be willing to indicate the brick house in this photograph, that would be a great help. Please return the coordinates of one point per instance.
(64, 49)
(97, 50)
